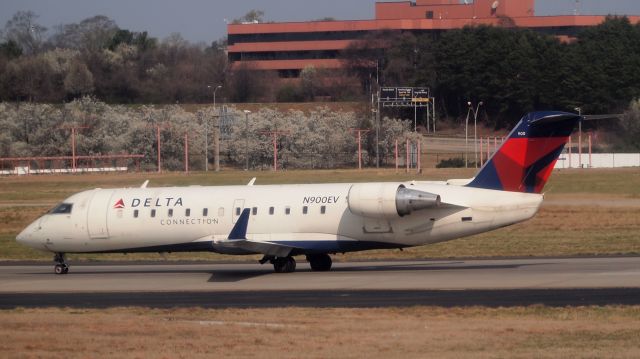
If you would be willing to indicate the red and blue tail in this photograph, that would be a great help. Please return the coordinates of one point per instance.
(525, 160)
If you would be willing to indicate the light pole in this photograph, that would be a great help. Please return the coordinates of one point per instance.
(466, 138)
(206, 134)
(246, 139)
(579, 109)
(475, 131)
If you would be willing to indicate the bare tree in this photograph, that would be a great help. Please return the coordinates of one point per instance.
(91, 34)
(252, 16)
(25, 31)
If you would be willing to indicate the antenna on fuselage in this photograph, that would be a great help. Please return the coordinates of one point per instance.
(144, 185)
(253, 180)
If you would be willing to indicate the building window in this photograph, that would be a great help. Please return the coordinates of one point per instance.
(135, 213)
(287, 210)
(171, 212)
(323, 209)
(429, 15)
(205, 212)
(305, 209)
(254, 211)
(187, 212)
(153, 213)
(271, 210)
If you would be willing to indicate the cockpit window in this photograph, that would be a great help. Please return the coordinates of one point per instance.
(62, 208)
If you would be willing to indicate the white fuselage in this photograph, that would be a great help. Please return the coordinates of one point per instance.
(313, 218)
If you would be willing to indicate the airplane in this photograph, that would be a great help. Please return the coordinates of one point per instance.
(311, 220)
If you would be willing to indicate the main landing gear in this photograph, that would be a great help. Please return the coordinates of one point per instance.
(284, 264)
(280, 264)
(61, 267)
(319, 263)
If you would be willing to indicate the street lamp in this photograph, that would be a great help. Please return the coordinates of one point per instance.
(206, 135)
(466, 138)
(579, 110)
(246, 139)
(475, 130)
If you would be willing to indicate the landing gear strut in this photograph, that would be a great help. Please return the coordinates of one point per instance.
(61, 267)
(284, 264)
(319, 262)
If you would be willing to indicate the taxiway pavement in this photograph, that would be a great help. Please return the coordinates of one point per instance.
(551, 281)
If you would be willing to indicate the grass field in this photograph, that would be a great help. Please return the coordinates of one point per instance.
(567, 227)
(418, 332)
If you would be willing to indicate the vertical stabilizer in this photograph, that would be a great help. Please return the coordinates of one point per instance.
(525, 160)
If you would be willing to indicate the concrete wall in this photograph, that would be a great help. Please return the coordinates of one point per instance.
(598, 160)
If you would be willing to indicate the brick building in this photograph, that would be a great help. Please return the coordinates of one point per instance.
(288, 47)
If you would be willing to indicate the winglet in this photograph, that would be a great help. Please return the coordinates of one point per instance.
(144, 185)
(253, 180)
(239, 231)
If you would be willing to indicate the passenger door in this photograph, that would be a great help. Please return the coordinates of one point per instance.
(97, 214)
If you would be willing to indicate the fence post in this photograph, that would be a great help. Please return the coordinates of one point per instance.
(396, 156)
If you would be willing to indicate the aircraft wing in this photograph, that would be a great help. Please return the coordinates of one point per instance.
(238, 239)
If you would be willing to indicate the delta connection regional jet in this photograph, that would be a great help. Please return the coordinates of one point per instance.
(314, 220)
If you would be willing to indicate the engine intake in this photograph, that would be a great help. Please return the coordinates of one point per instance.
(388, 200)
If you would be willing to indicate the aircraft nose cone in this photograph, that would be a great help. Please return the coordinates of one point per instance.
(20, 237)
(26, 237)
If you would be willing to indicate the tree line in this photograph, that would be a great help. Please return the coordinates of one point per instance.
(511, 70)
(96, 57)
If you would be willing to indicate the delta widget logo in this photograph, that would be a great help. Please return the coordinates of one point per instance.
(119, 204)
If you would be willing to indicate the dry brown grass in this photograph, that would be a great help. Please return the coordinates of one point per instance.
(419, 332)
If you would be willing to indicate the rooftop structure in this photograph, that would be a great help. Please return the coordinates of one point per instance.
(288, 47)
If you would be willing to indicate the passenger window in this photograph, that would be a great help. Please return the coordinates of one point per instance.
(62, 208)
(271, 210)
(135, 213)
(237, 211)
(323, 209)
(170, 212)
(305, 209)
(153, 213)
(254, 211)
(287, 210)
(221, 212)
(205, 212)
(187, 212)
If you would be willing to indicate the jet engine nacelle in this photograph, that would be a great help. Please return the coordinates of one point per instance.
(388, 200)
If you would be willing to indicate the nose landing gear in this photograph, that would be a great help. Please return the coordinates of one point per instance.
(61, 267)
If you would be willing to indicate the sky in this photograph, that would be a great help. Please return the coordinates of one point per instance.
(204, 20)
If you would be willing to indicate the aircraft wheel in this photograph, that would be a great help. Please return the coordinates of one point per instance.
(319, 262)
(284, 265)
(61, 269)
